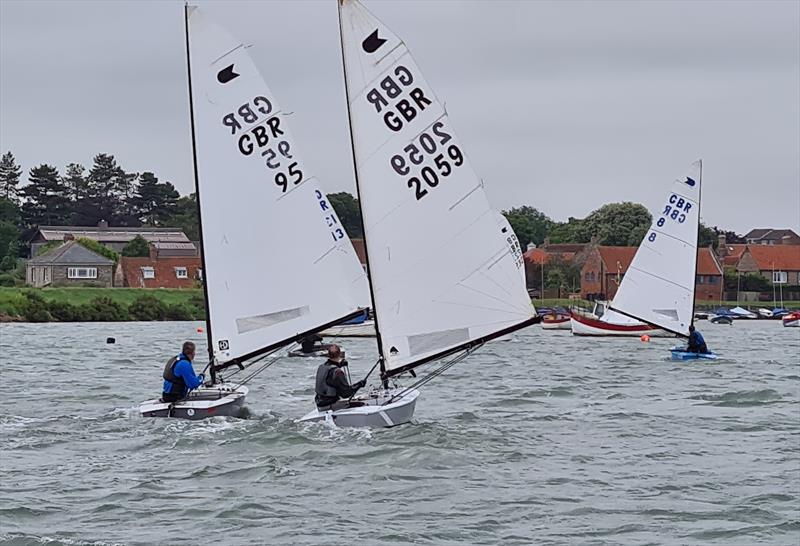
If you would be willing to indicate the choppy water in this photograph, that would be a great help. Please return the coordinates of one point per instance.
(547, 439)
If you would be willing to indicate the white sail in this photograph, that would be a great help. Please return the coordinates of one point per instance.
(513, 244)
(278, 261)
(658, 287)
(442, 272)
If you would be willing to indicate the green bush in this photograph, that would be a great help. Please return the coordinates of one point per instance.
(8, 263)
(65, 312)
(103, 309)
(146, 308)
(137, 247)
(6, 279)
(35, 308)
(178, 312)
(97, 248)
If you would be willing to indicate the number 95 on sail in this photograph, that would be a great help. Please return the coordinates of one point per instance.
(428, 160)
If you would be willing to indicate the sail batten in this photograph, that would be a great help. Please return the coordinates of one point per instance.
(277, 261)
(659, 286)
(433, 240)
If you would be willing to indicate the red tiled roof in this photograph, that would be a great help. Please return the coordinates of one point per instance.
(536, 256)
(706, 264)
(735, 251)
(617, 258)
(779, 257)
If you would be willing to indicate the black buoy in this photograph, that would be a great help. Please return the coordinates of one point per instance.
(110, 340)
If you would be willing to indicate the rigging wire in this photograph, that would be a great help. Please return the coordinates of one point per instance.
(434, 374)
(254, 362)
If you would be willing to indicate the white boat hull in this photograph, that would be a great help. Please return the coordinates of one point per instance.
(220, 400)
(364, 329)
(557, 324)
(378, 410)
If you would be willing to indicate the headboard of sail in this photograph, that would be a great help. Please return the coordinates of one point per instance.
(278, 260)
(659, 285)
(443, 272)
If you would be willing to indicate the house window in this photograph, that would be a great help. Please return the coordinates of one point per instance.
(713, 279)
(199, 274)
(779, 277)
(181, 273)
(700, 279)
(81, 272)
(148, 273)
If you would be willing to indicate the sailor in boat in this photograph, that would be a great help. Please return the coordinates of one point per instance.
(179, 376)
(313, 343)
(696, 342)
(332, 385)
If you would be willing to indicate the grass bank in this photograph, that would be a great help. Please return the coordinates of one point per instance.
(13, 300)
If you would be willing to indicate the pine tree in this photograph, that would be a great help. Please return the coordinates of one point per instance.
(155, 202)
(75, 182)
(102, 199)
(9, 177)
(46, 201)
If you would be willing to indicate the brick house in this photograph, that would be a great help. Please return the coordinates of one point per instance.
(114, 238)
(604, 269)
(709, 281)
(169, 265)
(70, 264)
(537, 258)
(779, 264)
(769, 236)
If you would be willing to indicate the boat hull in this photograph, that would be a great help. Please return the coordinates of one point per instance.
(364, 329)
(586, 326)
(375, 413)
(680, 354)
(559, 323)
(216, 401)
(721, 319)
(791, 320)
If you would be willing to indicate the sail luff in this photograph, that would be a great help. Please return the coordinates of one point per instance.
(358, 192)
(697, 241)
(209, 338)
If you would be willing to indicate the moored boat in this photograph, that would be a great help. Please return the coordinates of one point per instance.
(792, 320)
(613, 325)
(556, 321)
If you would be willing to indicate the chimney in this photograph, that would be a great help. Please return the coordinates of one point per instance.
(722, 245)
(102, 224)
(530, 246)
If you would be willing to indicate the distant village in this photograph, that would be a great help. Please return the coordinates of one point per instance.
(173, 261)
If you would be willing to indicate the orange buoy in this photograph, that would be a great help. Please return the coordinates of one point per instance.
(645, 338)
(199, 329)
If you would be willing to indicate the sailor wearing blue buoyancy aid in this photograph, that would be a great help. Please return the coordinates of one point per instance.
(696, 342)
(179, 376)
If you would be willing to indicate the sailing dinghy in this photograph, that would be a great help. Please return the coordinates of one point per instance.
(443, 278)
(656, 295)
(277, 264)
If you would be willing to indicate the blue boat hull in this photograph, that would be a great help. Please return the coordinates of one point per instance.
(678, 354)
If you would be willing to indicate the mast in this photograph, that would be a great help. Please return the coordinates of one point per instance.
(209, 339)
(381, 359)
(697, 241)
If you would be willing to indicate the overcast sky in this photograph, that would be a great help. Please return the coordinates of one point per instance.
(560, 105)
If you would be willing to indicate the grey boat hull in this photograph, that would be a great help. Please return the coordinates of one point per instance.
(216, 401)
(378, 409)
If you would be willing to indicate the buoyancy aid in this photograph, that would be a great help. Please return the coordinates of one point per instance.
(178, 384)
(323, 389)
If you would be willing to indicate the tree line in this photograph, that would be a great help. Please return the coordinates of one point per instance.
(81, 197)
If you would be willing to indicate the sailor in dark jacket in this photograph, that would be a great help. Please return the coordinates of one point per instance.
(696, 342)
(331, 382)
(179, 376)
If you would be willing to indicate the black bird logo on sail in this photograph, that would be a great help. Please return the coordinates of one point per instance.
(226, 74)
(690, 181)
(372, 42)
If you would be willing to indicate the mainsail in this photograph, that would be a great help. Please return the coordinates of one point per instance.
(658, 287)
(443, 276)
(513, 244)
(277, 261)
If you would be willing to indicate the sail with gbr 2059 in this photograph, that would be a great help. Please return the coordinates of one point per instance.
(443, 277)
(277, 262)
